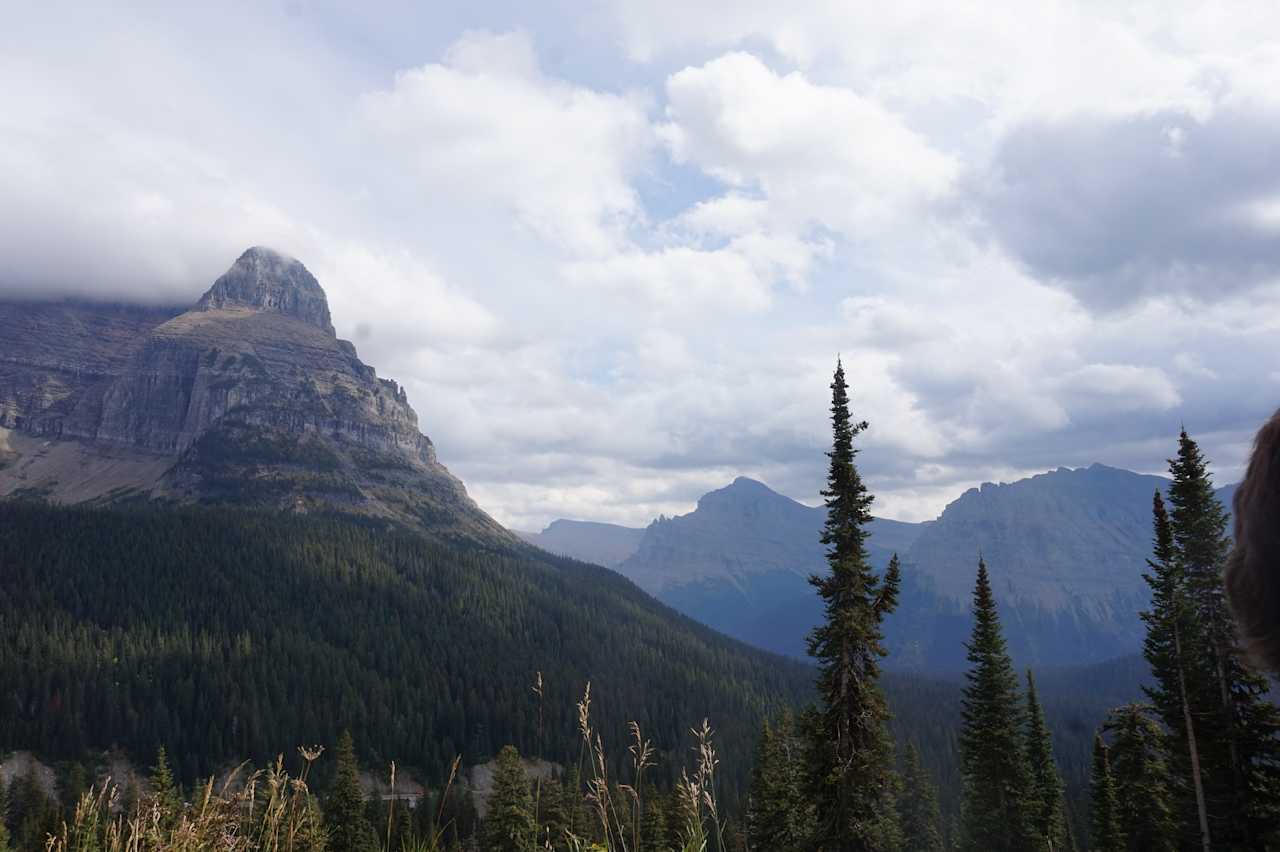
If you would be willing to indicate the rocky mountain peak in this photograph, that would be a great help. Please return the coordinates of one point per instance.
(262, 279)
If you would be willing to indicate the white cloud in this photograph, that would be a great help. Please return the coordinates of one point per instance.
(819, 154)
(485, 125)
(610, 286)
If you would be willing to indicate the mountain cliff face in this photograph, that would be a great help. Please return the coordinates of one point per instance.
(248, 397)
(1065, 549)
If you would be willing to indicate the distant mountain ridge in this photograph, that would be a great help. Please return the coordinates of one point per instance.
(1066, 551)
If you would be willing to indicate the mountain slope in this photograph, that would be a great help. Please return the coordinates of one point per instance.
(248, 397)
(1066, 551)
(228, 634)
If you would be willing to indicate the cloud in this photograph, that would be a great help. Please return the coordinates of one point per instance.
(819, 154)
(1117, 209)
(1039, 244)
(485, 125)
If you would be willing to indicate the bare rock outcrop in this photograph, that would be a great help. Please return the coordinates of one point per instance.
(249, 397)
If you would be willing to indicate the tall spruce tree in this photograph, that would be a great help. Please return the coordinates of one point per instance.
(851, 751)
(997, 806)
(1143, 785)
(1104, 823)
(1045, 800)
(1240, 739)
(1169, 648)
(344, 809)
(509, 825)
(918, 806)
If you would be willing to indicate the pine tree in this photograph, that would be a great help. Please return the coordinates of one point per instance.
(852, 753)
(779, 815)
(996, 776)
(1240, 728)
(164, 790)
(509, 825)
(1172, 630)
(1045, 801)
(653, 823)
(1104, 823)
(1143, 785)
(344, 809)
(918, 807)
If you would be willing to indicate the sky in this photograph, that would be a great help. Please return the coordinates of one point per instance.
(613, 249)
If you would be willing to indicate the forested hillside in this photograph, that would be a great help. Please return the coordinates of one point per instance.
(224, 635)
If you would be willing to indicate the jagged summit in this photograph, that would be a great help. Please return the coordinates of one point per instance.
(265, 280)
(248, 399)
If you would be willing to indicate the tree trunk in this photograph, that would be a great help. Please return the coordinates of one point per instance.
(1191, 744)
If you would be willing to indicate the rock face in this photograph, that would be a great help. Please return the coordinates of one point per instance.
(264, 280)
(248, 397)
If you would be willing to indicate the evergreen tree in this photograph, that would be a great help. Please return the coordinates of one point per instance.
(1045, 800)
(72, 788)
(34, 816)
(509, 825)
(918, 807)
(164, 789)
(344, 809)
(1240, 739)
(553, 819)
(852, 753)
(997, 780)
(1143, 786)
(779, 815)
(1172, 632)
(1104, 823)
(653, 824)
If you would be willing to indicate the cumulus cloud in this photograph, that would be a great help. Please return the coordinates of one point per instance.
(818, 153)
(485, 125)
(613, 258)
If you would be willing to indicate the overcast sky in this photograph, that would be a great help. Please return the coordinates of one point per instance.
(613, 248)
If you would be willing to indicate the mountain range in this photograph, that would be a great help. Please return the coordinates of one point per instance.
(1066, 551)
(223, 533)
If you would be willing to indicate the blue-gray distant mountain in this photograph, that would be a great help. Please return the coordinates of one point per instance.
(601, 544)
(1066, 551)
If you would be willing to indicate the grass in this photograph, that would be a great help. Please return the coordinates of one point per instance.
(270, 810)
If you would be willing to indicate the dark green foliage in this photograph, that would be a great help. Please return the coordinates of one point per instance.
(1143, 786)
(851, 756)
(1104, 832)
(5, 845)
(344, 810)
(779, 814)
(33, 815)
(509, 825)
(1169, 648)
(1238, 727)
(918, 807)
(654, 828)
(164, 789)
(228, 635)
(1045, 800)
(997, 780)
